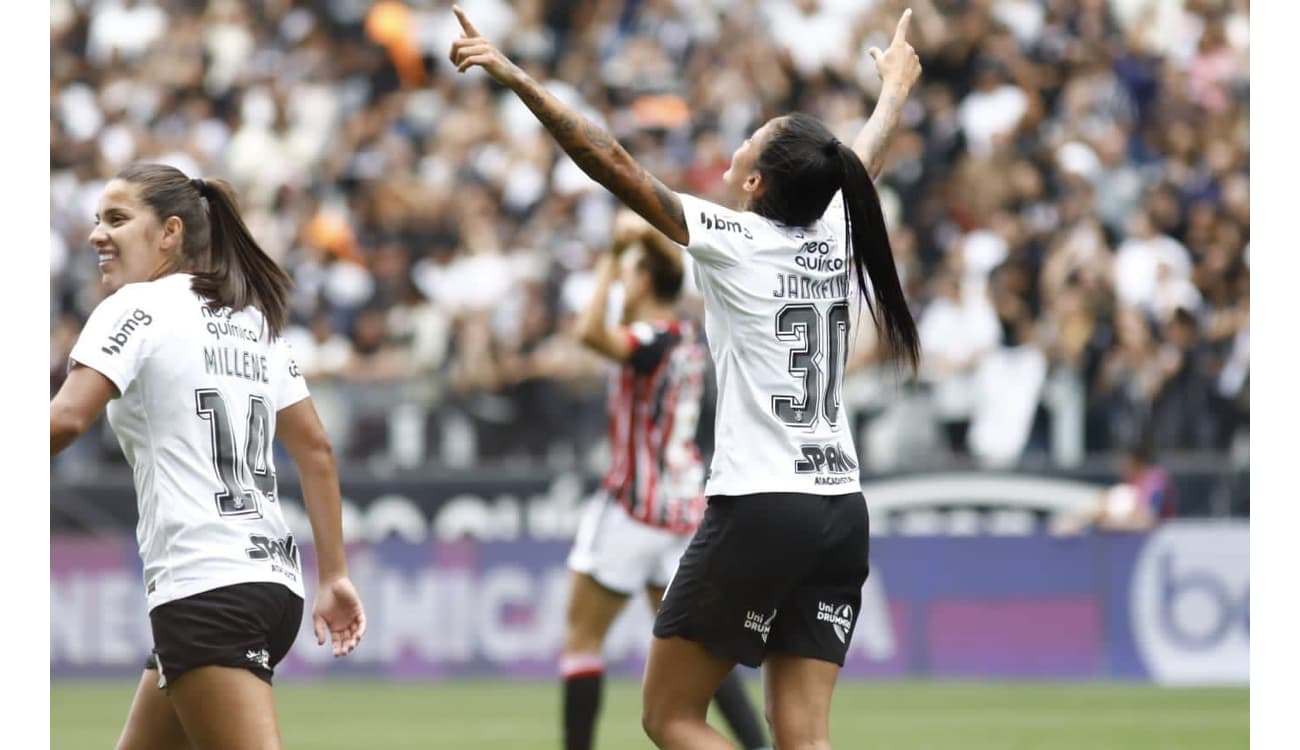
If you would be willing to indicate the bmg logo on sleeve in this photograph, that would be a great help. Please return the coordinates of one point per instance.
(1190, 603)
(118, 338)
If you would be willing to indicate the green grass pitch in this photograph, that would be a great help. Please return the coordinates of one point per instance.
(521, 716)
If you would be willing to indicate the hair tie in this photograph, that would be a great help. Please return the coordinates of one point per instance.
(200, 186)
(832, 147)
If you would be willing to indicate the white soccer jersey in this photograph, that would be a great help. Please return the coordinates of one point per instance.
(199, 395)
(777, 312)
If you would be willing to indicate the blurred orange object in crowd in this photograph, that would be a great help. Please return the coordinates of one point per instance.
(331, 233)
(390, 25)
(666, 111)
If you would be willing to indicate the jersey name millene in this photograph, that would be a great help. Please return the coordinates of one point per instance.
(235, 363)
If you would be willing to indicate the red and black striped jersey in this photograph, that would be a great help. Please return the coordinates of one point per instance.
(656, 472)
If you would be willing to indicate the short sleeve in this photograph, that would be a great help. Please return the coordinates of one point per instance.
(291, 385)
(119, 335)
(649, 345)
(719, 236)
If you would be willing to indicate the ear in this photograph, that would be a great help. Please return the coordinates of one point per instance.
(754, 184)
(173, 232)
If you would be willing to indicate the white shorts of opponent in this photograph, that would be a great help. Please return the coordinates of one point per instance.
(622, 554)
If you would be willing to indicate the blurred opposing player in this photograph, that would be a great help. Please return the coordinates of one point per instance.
(652, 499)
(774, 574)
(186, 355)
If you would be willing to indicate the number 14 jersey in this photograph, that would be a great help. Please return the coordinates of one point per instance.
(199, 393)
(777, 317)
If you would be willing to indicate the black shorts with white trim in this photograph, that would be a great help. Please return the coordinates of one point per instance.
(771, 572)
(246, 625)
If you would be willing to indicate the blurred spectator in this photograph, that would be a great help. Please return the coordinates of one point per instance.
(957, 329)
(1069, 196)
(1144, 496)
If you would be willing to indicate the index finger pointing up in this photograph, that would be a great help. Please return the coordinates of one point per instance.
(464, 22)
(900, 34)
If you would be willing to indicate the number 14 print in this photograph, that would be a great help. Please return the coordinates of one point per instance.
(241, 477)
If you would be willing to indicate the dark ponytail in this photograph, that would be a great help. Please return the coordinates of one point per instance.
(239, 273)
(229, 268)
(803, 165)
(873, 253)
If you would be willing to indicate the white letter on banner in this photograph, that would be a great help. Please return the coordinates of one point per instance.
(499, 588)
(452, 631)
(408, 604)
(874, 634)
(69, 619)
(551, 613)
(119, 606)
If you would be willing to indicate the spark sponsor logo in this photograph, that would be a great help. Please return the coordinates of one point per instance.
(116, 340)
(827, 460)
(759, 623)
(840, 618)
(282, 553)
(724, 225)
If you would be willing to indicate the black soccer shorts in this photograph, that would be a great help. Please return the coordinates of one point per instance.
(247, 625)
(771, 572)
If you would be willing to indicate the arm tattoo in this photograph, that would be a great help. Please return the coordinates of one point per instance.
(597, 153)
(875, 135)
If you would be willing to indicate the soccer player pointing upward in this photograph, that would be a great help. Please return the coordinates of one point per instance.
(774, 573)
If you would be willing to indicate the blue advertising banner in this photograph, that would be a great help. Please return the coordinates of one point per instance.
(1171, 607)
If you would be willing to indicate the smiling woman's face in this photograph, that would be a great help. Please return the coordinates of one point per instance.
(127, 236)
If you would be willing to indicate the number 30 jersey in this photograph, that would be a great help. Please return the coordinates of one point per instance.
(199, 392)
(777, 317)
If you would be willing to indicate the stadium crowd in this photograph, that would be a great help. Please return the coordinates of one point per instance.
(1068, 200)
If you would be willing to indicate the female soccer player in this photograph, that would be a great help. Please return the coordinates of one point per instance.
(636, 528)
(774, 574)
(186, 355)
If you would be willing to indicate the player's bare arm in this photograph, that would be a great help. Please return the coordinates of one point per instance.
(609, 341)
(593, 149)
(338, 609)
(899, 69)
(77, 405)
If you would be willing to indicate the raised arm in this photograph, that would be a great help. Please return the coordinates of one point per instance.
(899, 68)
(609, 341)
(593, 149)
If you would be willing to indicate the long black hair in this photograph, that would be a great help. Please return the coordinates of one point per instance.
(230, 269)
(802, 165)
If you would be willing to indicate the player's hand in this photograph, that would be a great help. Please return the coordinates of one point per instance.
(338, 613)
(472, 49)
(629, 228)
(898, 65)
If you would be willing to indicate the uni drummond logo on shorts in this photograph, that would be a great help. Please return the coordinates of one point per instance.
(840, 618)
(756, 622)
(260, 657)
